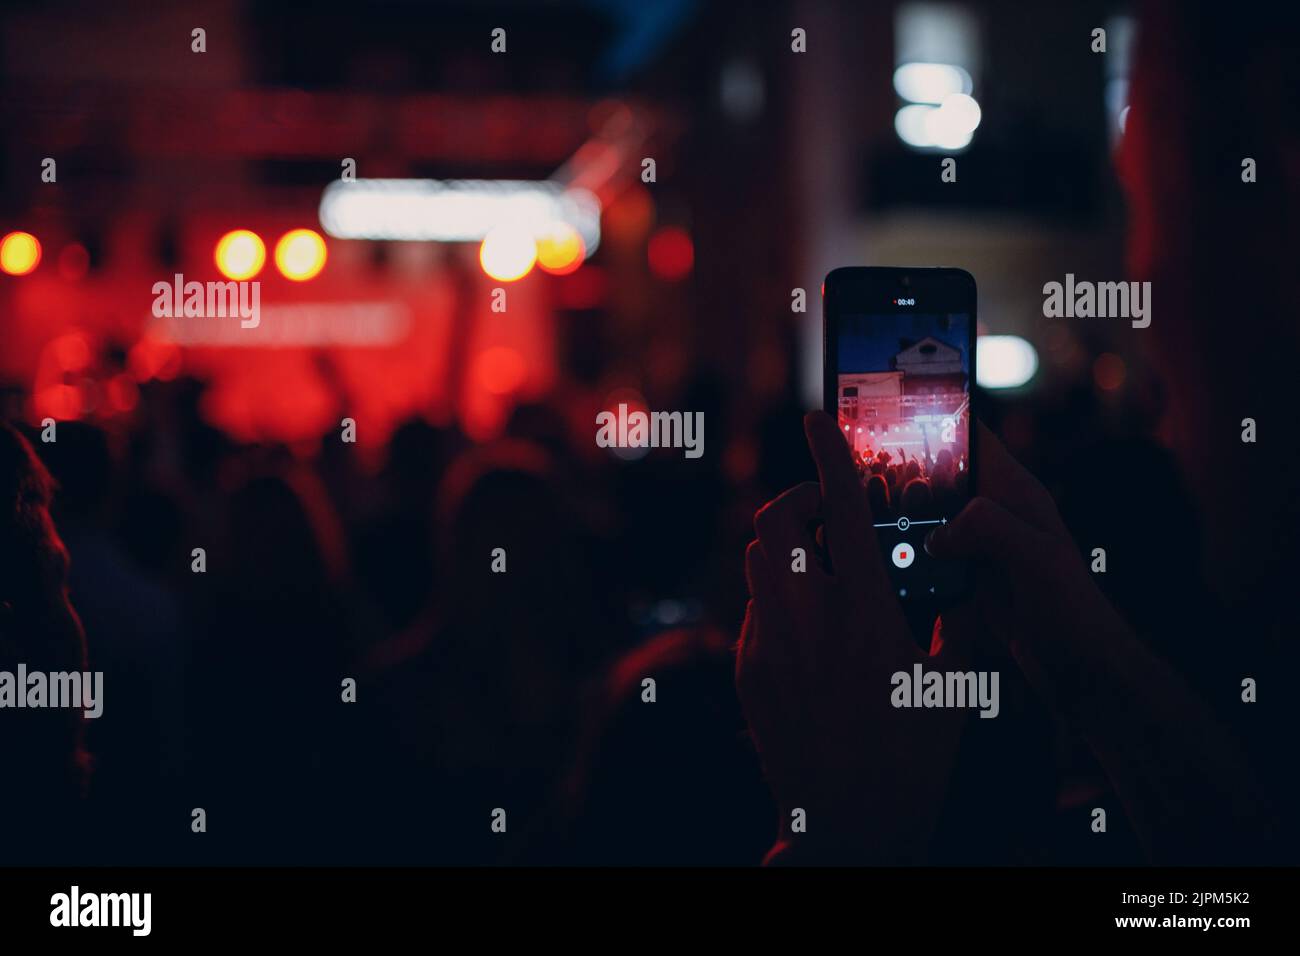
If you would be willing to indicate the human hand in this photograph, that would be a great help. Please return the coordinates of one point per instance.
(1033, 591)
(817, 652)
(1186, 785)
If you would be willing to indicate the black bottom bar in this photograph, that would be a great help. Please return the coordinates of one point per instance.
(544, 905)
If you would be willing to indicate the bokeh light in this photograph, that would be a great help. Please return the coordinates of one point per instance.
(930, 82)
(71, 351)
(560, 249)
(671, 253)
(1004, 361)
(59, 401)
(508, 253)
(20, 253)
(630, 217)
(635, 402)
(300, 255)
(240, 254)
(501, 370)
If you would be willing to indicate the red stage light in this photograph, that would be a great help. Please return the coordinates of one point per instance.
(61, 402)
(671, 253)
(71, 351)
(501, 370)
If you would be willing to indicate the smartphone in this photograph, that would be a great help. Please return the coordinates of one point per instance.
(899, 350)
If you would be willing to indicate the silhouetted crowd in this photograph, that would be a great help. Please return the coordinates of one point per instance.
(920, 487)
(496, 606)
(342, 664)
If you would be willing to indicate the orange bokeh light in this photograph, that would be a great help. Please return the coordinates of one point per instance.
(300, 255)
(20, 253)
(240, 254)
(560, 250)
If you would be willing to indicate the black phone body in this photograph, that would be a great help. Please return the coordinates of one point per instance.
(899, 374)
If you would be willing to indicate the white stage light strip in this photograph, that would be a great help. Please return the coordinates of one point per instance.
(454, 210)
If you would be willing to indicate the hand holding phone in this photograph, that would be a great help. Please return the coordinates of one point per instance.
(813, 669)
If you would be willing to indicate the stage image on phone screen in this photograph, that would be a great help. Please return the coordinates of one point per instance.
(903, 395)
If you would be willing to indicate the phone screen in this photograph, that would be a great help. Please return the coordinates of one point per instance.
(902, 396)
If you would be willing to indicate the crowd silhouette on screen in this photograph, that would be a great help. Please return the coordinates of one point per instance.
(915, 486)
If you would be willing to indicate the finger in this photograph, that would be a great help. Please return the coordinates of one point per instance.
(985, 529)
(1009, 483)
(774, 595)
(757, 685)
(788, 517)
(781, 597)
(850, 537)
(758, 574)
(768, 645)
(787, 594)
(787, 523)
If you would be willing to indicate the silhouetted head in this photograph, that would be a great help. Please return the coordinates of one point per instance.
(541, 423)
(513, 556)
(878, 495)
(418, 454)
(915, 502)
(285, 541)
(82, 464)
(41, 748)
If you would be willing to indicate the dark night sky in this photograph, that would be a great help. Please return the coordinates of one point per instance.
(868, 342)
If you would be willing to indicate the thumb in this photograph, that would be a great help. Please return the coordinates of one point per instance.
(984, 529)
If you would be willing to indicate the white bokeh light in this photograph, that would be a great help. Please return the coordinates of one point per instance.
(930, 82)
(1004, 361)
(948, 126)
